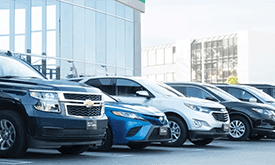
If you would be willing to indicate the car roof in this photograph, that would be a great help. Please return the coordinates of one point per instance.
(125, 77)
(188, 83)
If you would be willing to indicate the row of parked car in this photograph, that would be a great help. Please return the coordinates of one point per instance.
(75, 116)
(198, 112)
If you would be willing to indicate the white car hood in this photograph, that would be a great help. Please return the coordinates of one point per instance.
(202, 102)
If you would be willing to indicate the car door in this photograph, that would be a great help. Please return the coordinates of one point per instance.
(126, 91)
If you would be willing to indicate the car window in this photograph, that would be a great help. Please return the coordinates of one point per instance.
(196, 92)
(178, 88)
(263, 95)
(126, 87)
(105, 84)
(240, 94)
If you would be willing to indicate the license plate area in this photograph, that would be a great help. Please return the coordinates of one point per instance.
(225, 127)
(163, 131)
(91, 124)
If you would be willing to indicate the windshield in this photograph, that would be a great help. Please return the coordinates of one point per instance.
(262, 94)
(12, 68)
(221, 93)
(163, 89)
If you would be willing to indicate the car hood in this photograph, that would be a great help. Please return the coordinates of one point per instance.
(201, 102)
(136, 108)
(241, 104)
(43, 84)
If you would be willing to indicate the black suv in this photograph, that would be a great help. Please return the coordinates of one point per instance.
(247, 120)
(247, 93)
(37, 113)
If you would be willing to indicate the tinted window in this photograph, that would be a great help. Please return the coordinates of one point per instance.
(104, 84)
(196, 92)
(240, 94)
(127, 87)
(178, 88)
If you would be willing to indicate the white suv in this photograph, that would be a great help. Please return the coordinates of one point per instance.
(198, 120)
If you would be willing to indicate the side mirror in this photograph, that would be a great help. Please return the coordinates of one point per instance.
(253, 100)
(143, 94)
(211, 98)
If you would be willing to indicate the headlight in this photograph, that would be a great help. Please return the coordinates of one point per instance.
(47, 101)
(264, 111)
(198, 108)
(127, 114)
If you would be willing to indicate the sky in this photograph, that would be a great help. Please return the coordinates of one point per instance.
(166, 21)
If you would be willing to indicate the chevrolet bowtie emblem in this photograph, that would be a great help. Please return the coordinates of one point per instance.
(88, 103)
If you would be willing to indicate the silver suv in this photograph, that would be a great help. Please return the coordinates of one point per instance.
(198, 120)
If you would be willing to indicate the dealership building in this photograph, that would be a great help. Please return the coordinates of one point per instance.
(247, 55)
(68, 38)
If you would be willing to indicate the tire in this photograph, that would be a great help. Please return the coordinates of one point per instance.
(73, 150)
(13, 139)
(239, 128)
(255, 137)
(138, 146)
(179, 131)
(202, 142)
(107, 141)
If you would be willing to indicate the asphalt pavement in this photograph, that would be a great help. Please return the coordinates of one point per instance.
(219, 152)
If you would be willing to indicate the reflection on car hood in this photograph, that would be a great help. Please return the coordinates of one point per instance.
(136, 108)
(43, 84)
(202, 102)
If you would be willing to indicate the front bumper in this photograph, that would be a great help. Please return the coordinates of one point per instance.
(127, 130)
(153, 135)
(263, 126)
(213, 133)
(264, 132)
(55, 132)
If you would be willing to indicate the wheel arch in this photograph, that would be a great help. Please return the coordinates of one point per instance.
(177, 115)
(242, 115)
(13, 105)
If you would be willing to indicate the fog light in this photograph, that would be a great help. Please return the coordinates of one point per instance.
(197, 123)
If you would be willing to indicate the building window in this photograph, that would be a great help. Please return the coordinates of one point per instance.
(220, 59)
(170, 77)
(169, 56)
(160, 56)
(151, 57)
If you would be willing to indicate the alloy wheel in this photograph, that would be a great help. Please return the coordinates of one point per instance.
(7, 134)
(237, 128)
(175, 131)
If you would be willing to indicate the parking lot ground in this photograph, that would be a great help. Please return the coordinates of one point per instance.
(220, 152)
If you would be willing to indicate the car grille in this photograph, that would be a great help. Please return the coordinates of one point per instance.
(154, 120)
(83, 110)
(221, 116)
(155, 135)
(70, 96)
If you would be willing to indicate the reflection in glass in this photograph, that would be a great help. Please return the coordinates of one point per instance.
(36, 21)
(20, 16)
(217, 67)
(19, 43)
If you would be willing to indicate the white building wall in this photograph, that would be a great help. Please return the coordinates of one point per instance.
(242, 69)
(183, 61)
(261, 57)
(158, 64)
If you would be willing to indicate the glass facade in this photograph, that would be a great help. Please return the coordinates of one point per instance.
(72, 37)
(214, 59)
